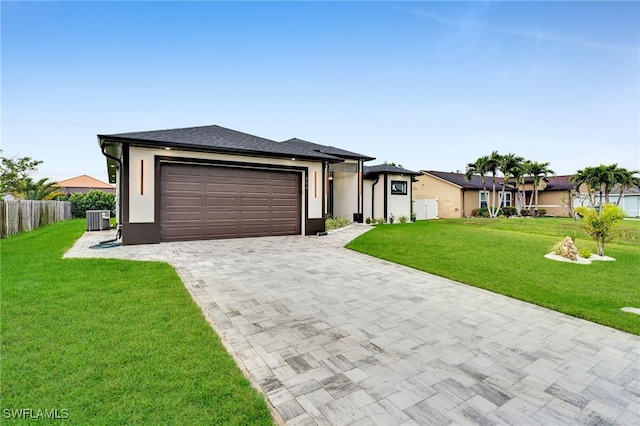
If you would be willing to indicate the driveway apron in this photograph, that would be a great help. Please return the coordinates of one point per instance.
(336, 337)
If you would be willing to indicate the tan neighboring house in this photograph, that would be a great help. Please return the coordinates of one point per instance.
(84, 184)
(456, 197)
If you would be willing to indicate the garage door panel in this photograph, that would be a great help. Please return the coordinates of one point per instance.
(209, 202)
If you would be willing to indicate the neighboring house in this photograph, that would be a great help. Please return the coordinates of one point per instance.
(84, 184)
(389, 191)
(456, 196)
(212, 182)
(554, 194)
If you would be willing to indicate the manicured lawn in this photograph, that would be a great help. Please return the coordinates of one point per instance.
(110, 341)
(506, 256)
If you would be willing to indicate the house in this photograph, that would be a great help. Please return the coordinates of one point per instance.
(554, 194)
(389, 190)
(84, 184)
(211, 182)
(344, 179)
(629, 200)
(456, 196)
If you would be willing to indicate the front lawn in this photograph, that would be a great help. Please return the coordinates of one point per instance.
(110, 341)
(506, 256)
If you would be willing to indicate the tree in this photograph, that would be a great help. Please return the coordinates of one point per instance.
(92, 200)
(481, 167)
(601, 224)
(602, 179)
(625, 179)
(538, 171)
(15, 170)
(27, 189)
(509, 165)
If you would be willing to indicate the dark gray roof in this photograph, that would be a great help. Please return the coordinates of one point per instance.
(558, 183)
(218, 139)
(337, 152)
(387, 169)
(459, 179)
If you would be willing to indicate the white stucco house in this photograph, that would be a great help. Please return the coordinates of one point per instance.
(211, 182)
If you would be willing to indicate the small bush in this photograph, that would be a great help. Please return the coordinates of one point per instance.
(392, 218)
(542, 212)
(557, 248)
(367, 221)
(403, 219)
(509, 211)
(336, 223)
(483, 212)
(525, 212)
(584, 252)
(381, 220)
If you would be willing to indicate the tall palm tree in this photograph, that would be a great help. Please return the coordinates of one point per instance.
(480, 167)
(492, 167)
(27, 189)
(509, 166)
(538, 171)
(625, 179)
(598, 178)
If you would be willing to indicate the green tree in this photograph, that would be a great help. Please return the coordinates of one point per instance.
(509, 165)
(601, 224)
(15, 170)
(625, 179)
(481, 167)
(538, 171)
(27, 189)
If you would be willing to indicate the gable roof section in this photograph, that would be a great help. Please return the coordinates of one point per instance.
(558, 183)
(387, 169)
(217, 139)
(337, 152)
(84, 181)
(459, 180)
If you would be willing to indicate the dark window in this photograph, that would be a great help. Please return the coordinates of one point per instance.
(399, 187)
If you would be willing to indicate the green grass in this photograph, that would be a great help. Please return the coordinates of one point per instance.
(111, 341)
(507, 256)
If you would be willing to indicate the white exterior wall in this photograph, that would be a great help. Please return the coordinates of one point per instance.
(142, 195)
(399, 205)
(345, 192)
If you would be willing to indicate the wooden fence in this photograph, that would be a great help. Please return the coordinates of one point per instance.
(25, 215)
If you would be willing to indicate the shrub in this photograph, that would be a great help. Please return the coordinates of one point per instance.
(392, 218)
(584, 252)
(601, 224)
(92, 200)
(542, 212)
(483, 212)
(557, 248)
(367, 220)
(336, 223)
(403, 219)
(381, 220)
(525, 212)
(413, 217)
(509, 211)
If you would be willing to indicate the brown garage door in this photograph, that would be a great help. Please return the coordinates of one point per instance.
(209, 202)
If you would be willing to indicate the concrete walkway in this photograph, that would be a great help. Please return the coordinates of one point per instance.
(336, 337)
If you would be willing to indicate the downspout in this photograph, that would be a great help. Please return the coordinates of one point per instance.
(117, 160)
(373, 197)
(385, 197)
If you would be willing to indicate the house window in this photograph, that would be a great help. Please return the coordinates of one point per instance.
(508, 201)
(399, 187)
(484, 196)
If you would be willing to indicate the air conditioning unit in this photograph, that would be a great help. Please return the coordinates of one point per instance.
(98, 220)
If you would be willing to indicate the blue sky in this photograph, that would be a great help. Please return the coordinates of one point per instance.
(429, 85)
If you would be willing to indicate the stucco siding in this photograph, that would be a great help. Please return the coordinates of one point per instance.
(399, 204)
(553, 202)
(448, 195)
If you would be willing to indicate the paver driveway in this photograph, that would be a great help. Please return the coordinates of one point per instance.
(336, 337)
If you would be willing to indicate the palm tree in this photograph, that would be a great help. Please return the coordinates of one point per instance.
(492, 167)
(479, 167)
(509, 166)
(27, 189)
(599, 178)
(625, 179)
(538, 171)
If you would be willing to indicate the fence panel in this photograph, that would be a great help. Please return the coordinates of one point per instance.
(26, 215)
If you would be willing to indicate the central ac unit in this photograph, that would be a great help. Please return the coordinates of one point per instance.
(98, 220)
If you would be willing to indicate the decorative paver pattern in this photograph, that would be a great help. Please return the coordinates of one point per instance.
(336, 337)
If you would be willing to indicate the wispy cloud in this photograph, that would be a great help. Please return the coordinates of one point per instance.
(535, 35)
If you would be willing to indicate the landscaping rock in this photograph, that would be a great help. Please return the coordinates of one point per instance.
(569, 249)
